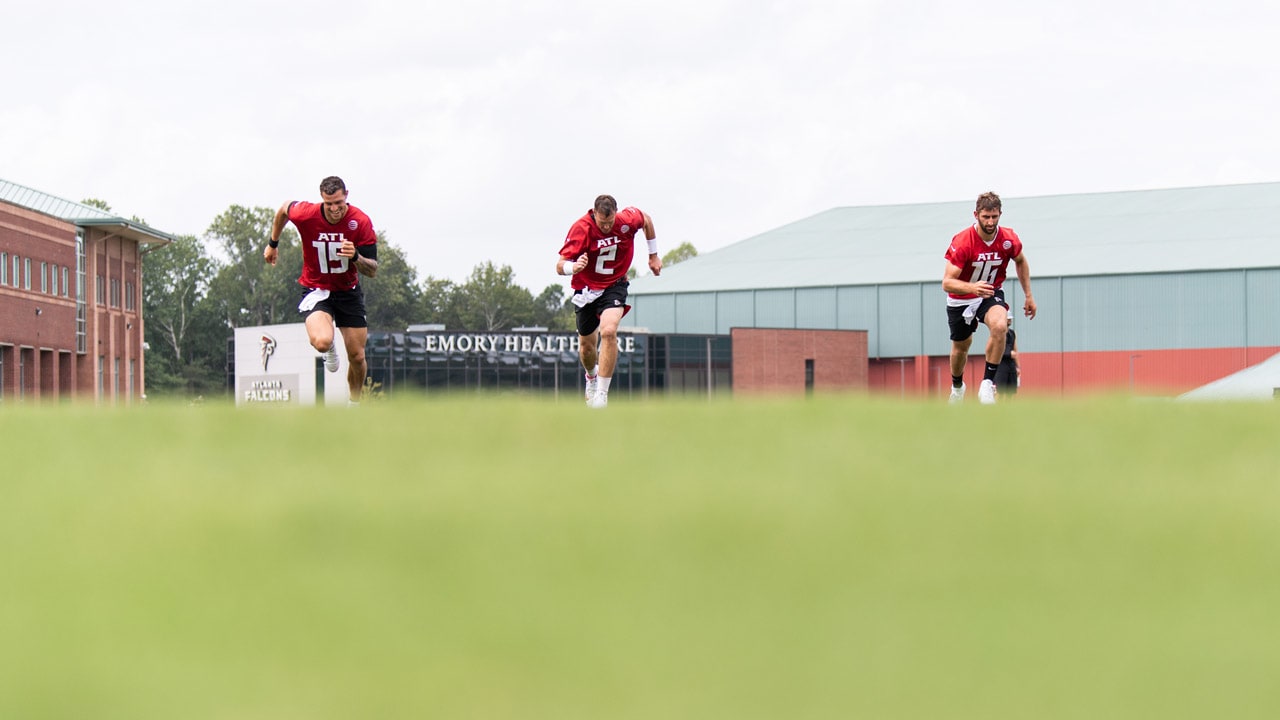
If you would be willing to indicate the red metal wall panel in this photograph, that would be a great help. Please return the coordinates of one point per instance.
(1145, 372)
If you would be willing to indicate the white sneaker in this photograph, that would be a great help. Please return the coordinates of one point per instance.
(957, 394)
(987, 393)
(591, 387)
(331, 359)
(598, 401)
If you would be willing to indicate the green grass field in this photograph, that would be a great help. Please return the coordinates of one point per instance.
(495, 558)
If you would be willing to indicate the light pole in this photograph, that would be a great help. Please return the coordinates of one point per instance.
(902, 377)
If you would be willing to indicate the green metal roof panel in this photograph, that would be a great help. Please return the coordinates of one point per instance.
(1206, 228)
(48, 204)
(73, 212)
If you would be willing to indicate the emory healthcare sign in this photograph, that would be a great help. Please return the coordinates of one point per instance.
(521, 343)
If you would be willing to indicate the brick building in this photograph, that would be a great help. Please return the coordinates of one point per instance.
(71, 316)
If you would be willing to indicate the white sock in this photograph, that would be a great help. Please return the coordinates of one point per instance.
(603, 385)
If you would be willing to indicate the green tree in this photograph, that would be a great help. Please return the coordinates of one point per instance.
(678, 254)
(439, 302)
(490, 300)
(552, 309)
(95, 202)
(674, 256)
(176, 280)
(392, 297)
(248, 290)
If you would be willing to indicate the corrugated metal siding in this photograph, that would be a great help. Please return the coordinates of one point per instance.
(1148, 371)
(655, 312)
(857, 308)
(935, 334)
(776, 308)
(735, 309)
(1044, 333)
(1183, 329)
(696, 313)
(816, 308)
(1262, 295)
(1177, 310)
(900, 321)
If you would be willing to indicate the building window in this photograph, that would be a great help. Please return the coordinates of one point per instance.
(44, 278)
(133, 371)
(115, 292)
(4, 268)
(65, 290)
(26, 273)
(128, 296)
(102, 290)
(16, 265)
(102, 368)
(3, 352)
(82, 343)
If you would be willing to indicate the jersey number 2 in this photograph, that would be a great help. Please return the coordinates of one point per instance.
(607, 255)
(330, 261)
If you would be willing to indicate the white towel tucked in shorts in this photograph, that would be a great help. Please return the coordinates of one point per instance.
(586, 297)
(311, 299)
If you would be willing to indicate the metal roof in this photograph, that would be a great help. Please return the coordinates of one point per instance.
(77, 213)
(1144, 231)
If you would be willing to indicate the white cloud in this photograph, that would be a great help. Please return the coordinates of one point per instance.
(480, 131)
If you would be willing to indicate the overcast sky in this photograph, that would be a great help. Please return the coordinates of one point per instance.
(476, 130)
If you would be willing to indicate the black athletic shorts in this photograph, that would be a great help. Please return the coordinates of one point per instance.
(346, 307)
(961, 330)
(589, 315)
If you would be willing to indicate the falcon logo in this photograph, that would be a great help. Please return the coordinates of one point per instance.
(353, 224)
(268, 345)
(626, 229)
(1007, 244)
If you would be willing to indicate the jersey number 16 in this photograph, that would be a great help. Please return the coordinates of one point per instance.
(985, 271)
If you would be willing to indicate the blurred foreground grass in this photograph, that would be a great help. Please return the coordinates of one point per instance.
(490, 558)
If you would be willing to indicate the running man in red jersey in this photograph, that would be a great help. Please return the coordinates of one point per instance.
(597, 253)
(338, 245)
(981, 254)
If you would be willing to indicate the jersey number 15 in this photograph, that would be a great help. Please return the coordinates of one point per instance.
(331, 263)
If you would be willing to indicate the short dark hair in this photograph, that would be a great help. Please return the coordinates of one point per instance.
(331, 185)
(988, 201)
(606, 206)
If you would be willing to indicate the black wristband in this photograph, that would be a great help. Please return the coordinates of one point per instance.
(273, 243)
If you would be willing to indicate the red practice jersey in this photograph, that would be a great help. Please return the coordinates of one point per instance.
(982, 262)
(322, 267)
(608, 258)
